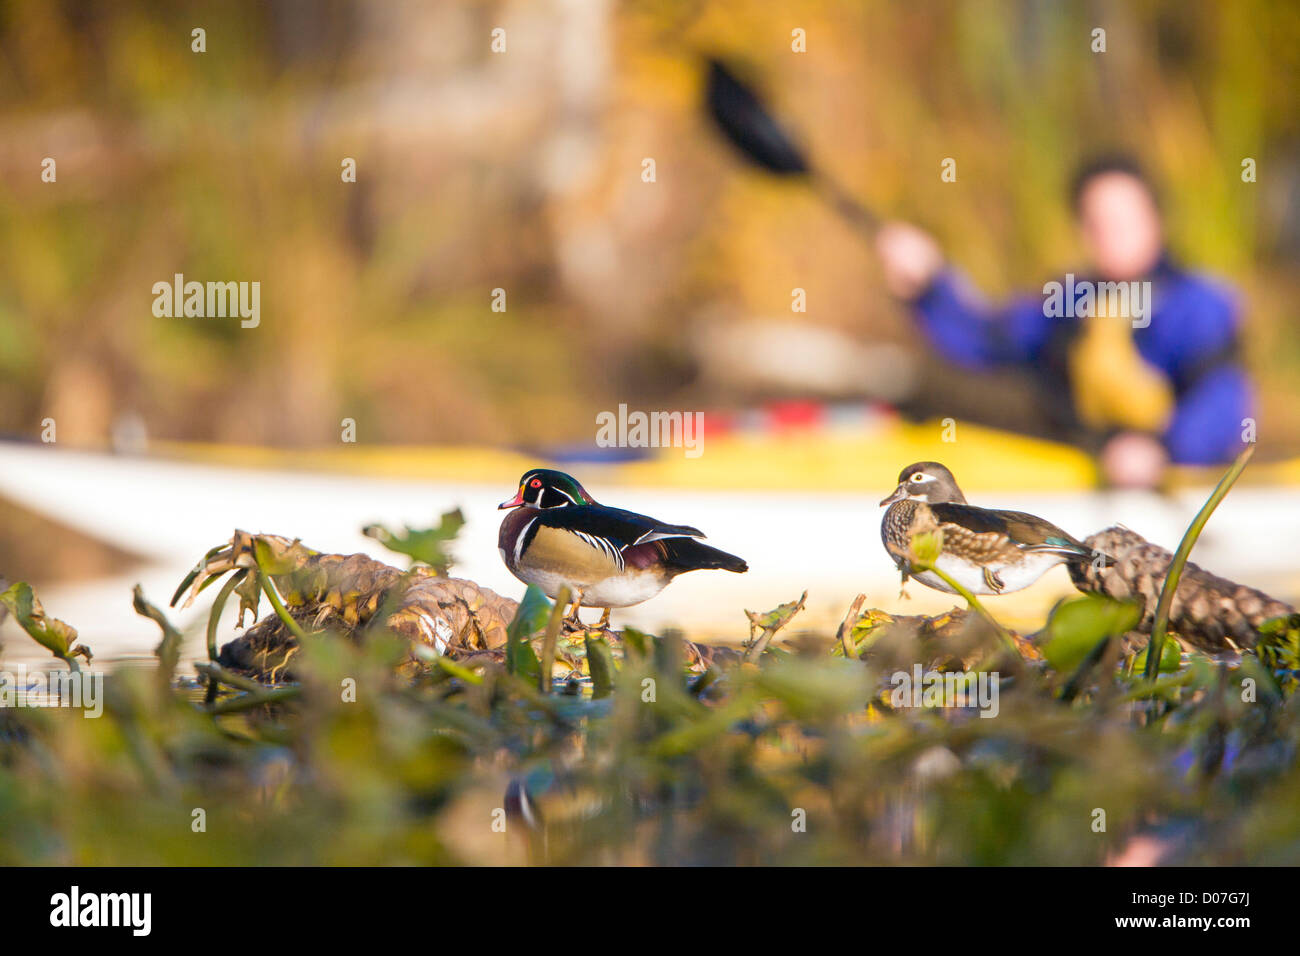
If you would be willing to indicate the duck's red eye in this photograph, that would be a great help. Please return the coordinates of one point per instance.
(536, 482)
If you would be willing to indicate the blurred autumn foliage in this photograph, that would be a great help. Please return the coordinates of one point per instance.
(521, 171)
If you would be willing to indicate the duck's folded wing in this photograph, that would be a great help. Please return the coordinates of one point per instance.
(613, 530)
(623, 528)
(1023, 531)
(1032, 533)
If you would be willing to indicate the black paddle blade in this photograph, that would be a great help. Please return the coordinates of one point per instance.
(751, 129)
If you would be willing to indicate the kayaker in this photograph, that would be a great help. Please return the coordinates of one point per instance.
(1157, 380)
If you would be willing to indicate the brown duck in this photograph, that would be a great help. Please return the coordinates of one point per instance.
(986, 551)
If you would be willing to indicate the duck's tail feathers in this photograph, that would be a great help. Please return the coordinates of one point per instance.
(1081, 555)
(687, 554)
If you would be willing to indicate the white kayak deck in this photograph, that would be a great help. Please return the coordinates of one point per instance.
(171, 512)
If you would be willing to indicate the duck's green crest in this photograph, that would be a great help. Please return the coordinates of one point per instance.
(548, 488)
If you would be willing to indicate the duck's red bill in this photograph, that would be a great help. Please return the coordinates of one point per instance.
(514, 502)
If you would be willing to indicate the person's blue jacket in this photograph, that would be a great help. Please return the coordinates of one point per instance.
(1192, 338)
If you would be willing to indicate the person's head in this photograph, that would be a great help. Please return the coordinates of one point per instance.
(1119, 217)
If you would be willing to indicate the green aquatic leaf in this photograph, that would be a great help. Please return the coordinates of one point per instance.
(423, 546)
(56, 636)
(926, 547)
(1078, 625)
(194, 573)
(763, 626)
(1171, 658)
(1279, 648)
(636, 642)
(600, 665)
(533, 612)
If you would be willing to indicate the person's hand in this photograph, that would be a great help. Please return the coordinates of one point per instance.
(910, 256)
(1133, 460)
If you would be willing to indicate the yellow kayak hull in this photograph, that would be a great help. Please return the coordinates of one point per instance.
(830, 460)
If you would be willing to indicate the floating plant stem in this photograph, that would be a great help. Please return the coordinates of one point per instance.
(280, 611)
(1156, 645)
(455, 670)
(550, 640)
(214, 619)
(253, 700)
(845, 634)
(979, 608)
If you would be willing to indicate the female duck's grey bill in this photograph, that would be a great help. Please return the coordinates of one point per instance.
(899, 494)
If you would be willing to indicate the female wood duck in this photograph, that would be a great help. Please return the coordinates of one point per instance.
(559, 535)
(987, 552)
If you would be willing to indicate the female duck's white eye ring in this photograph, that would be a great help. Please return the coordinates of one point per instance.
(918, 477)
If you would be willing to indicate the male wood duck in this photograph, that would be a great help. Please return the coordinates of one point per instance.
(987, 552)
(559, 535)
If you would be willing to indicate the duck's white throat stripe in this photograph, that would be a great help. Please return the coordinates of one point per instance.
(522, 537)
